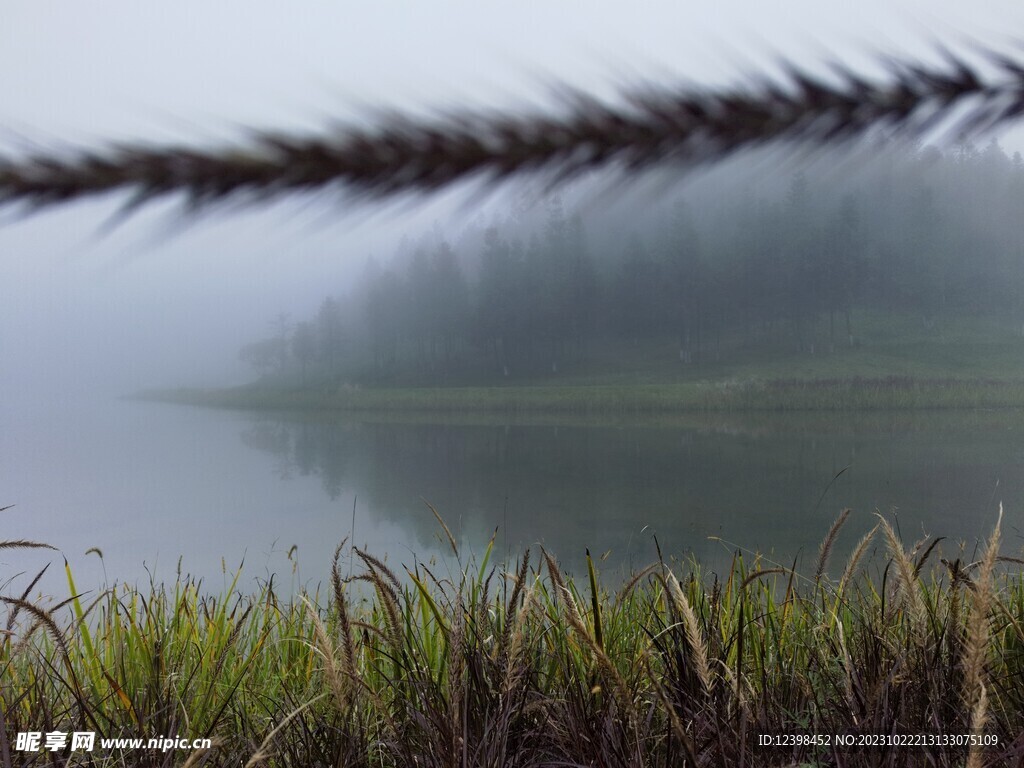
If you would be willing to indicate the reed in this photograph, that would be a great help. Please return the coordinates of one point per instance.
(976, 646)
(677, 668)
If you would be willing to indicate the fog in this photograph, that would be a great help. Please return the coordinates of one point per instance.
(94, 306)
(809, 257)
(161, 300)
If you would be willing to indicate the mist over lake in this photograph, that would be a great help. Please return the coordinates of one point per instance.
(149, 483)
(397, 386)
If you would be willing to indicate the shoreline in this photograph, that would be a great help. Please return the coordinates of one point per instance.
(726, 395)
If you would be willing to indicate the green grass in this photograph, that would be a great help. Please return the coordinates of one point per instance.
(461, 663)
(896, 363)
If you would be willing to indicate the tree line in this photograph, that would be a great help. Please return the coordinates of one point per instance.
(750, 259)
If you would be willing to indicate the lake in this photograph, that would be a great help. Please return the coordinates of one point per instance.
(151, 483)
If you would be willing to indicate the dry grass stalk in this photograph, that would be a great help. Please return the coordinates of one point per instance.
(335, 678)
(513, 670)
(444, 527)
(579, 625)
(42, 619)
(977, 642)
(692, 629)
(574, 614)
(673, 716)
(24, 544)
(511, 616)
(923, 558)
(376, 564)
(686, 125)
(855, 558)
(555, 574)
(348, 654)
(12, 616)
(199, 756)
(736, 685)
(826, 545)
(979, 717)
(760, 574)
(847, 662)
(562, 594)
(387, 587)
(906, 581)
(635, 579)
(235, 632)
(457, 674)
(263, 753)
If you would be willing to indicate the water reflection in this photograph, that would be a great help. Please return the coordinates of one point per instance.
(764, 481)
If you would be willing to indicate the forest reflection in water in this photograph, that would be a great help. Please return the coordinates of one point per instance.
(700, 484)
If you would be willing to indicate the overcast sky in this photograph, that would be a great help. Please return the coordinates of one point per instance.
(154, 303)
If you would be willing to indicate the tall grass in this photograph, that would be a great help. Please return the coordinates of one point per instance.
(466, 663)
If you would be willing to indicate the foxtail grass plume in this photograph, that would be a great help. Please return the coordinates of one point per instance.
(977, 643)
(684, 126)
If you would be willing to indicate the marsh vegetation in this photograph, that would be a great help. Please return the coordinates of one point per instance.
(464, 662)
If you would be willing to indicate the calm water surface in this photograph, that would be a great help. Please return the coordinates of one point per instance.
(151, 483)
